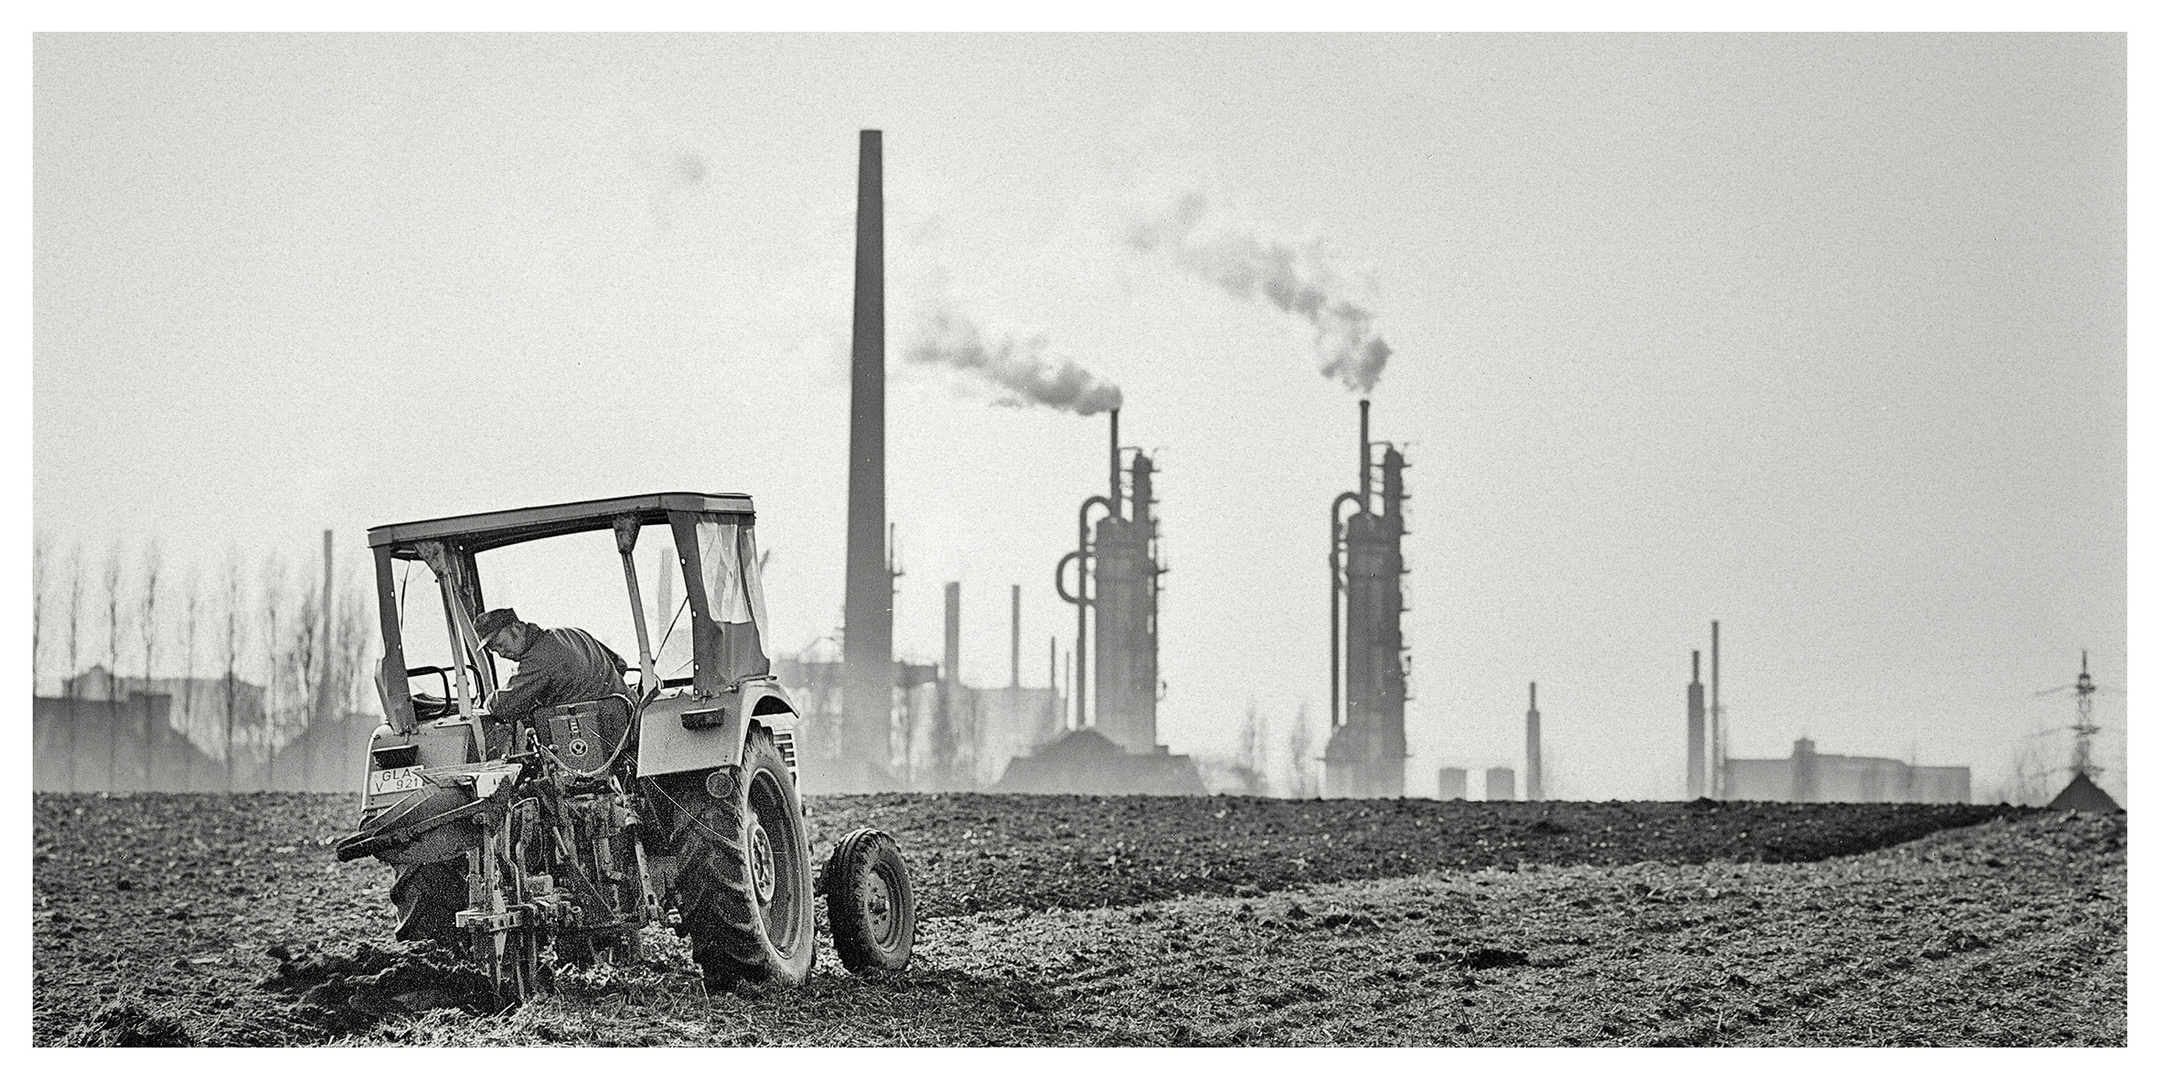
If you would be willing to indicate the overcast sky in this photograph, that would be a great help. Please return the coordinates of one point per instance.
(1823, 337)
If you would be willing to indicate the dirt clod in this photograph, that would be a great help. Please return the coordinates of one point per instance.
(1484, 957)
(129, 1023)
(355, 989)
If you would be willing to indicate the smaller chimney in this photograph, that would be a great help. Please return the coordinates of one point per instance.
(1696, 732)
(1364, 454)
(952, 633)
(1716, 769)
(1117, 482)
(1534, 768)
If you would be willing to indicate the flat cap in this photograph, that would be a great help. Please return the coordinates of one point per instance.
(491, 621)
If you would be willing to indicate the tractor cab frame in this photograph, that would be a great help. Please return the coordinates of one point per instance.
(685, 724)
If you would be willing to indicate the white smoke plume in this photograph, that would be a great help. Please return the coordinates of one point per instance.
(1294, 278)
(1022, 366)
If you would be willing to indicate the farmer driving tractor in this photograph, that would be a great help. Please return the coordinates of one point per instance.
(556, 813)
(554, 667)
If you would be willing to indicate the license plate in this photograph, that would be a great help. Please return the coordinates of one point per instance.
(389, 781)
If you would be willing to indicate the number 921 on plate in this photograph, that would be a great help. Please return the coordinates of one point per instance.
(388, 781)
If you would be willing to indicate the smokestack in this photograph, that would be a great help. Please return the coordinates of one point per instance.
(1717, 721)
(1016, 638)
(1695, 731)
(1364, 454)
(867, 647)
(951, 672)
(1117, 482)
(1534, 770)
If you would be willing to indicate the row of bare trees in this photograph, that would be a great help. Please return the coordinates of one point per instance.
(1254, 765)
(218, 637)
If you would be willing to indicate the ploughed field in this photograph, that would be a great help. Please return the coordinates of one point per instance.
(224, 920)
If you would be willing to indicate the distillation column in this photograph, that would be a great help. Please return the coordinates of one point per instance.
(1365, 753)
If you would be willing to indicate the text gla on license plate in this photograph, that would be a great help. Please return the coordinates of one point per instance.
(385, 781)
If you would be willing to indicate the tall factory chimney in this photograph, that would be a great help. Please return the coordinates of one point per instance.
(1368, 677)
(1695, 729)
(1016, 638)
(866, 658)
(1533, 763)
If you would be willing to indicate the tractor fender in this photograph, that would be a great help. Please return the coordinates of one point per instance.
(685, 734)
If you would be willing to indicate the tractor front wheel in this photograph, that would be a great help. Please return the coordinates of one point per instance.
(869, 902)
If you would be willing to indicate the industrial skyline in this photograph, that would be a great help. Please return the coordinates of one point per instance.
(1822, 337)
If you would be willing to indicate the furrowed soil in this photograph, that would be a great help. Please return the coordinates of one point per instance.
(217, 920)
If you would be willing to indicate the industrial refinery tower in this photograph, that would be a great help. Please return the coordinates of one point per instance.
(866, 648)
(1367, 671)
(1125, 571)
(1117, 570)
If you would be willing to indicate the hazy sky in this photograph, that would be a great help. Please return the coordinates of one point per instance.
(1823, 337)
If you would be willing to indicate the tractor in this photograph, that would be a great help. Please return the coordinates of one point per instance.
(576, 829)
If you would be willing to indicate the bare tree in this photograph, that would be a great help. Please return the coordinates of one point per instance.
(354, 646)
(112, 663)
(1250, 765)
(271, 595)
(74, 636)
(153, 561)
(75, 590)
(232, 597)
(39, 555)
(75, 587)
(2030, 788)
(192, 619)
(1301, 753)
(112, 618)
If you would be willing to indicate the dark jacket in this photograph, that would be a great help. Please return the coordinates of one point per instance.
(560, 666)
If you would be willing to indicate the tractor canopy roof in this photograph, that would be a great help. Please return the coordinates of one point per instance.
(479, 532)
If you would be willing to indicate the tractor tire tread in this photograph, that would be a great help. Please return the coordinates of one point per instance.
(713, 889)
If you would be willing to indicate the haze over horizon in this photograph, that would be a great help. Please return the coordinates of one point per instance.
(1822, 336)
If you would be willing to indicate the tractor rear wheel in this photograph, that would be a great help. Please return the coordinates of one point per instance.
(743, 882)
(869, 902)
